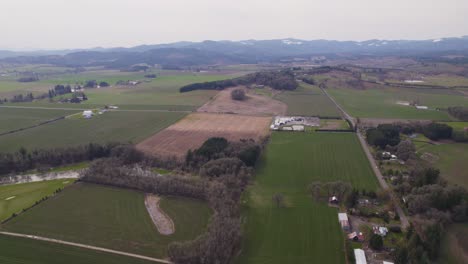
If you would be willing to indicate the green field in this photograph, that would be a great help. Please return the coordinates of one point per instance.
(381, 103)
(15, 118)
(303, 231)
(455, 245)
(25, 195)
(309, 101)
(111, 218)
(119, 126)
(159, 93)
(28, 251)
(451, 160)
(457, 125)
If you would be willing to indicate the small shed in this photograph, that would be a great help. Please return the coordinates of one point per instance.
(87, 114)
(343, 218)
(360, 256)
(380, 230)
(333, 200)
(423, 107)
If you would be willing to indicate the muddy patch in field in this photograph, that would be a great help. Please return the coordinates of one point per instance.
(161, 220)
(429, 157)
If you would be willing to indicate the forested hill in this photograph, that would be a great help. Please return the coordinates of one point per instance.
(182, 54)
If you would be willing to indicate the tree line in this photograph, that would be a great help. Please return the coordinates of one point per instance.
(389, 134)
(43, 159)
(459, 112)
(280, 80)
(225, 169)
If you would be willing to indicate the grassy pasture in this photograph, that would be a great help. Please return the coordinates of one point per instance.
(159, 93)
(25, 195)
(454, 245)
(451, 161)
(108, 127)
(14, 118)
(112, 218)
(308, 100)
(381, 103)
(27, 251)
(302, 231)
(457, 125)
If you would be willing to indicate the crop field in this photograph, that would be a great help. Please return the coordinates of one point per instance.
(27, 251)
(196, 128)
(381, 103)
(309, 101)
(16, 197)
(15, 118)
(112, 126)
(454, 245)
(159, 93)
(253, 104)
(111, 218)
(302, 231)
(451, 159)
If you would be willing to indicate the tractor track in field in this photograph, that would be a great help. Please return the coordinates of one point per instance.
(403, 218)
(106, 250)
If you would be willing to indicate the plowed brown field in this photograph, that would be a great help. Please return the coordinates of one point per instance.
(193, 130)
(254, 104)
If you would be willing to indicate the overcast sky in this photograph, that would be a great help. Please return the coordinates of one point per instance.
(54, 24)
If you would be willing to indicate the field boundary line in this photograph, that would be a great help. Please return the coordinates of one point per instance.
(403, 218)
(57, 241)
(82, 109)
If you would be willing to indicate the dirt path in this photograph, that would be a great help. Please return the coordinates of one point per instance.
(87, 247)
(403, 218)
(161, 220)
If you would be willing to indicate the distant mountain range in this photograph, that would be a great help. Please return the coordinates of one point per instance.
(226, 52)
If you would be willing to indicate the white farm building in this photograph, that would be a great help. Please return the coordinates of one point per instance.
(360, 256)
(87, 114)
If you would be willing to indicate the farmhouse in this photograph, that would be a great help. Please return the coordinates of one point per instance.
(380, 230)
(360, 256)
(343, 218)
(87, 113)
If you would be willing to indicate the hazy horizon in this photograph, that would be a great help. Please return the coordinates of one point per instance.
(55, 24)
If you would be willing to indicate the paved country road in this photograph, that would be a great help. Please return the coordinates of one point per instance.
(86, 246)
(403, 218)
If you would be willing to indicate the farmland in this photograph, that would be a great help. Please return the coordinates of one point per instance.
(253, 104)
(159, 93)
(303, 230)
(14, 198)
(111, 218)
(381, 103)
(27, 251)
(308, 100)
(194, 129)
(122, 126)
(455, 245)
(15, 118)
(451, 159)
